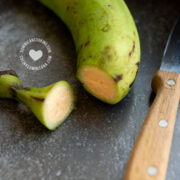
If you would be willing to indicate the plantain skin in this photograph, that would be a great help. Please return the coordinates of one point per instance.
(105, 36)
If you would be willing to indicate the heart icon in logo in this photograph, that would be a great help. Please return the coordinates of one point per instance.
(35, 55)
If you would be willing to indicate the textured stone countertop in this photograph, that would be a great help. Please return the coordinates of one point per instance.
(96, 140)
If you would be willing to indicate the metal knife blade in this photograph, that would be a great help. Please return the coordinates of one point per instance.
(171, 57)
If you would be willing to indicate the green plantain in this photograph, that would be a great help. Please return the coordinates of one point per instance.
(107, 44)
(51, 104)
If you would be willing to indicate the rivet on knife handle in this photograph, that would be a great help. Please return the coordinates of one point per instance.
(149, 159)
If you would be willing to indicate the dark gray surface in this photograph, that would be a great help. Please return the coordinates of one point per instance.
(96, 140)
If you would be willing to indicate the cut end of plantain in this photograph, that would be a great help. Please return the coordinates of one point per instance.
(99, 83)
(58, 105)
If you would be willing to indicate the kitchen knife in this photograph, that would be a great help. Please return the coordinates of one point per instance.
(149, 158)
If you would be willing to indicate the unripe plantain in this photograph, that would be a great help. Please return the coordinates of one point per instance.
(107, 44)
(51, 104)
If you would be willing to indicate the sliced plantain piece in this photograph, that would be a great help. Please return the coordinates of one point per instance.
(51, 104)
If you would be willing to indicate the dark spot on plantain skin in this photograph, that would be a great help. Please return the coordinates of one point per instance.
(109, 57)
(132, 50)
(74, 12)
(106, 49)
(102, 17)
(130, 86)
(68, 7)
(26, 89)
(38, 99)
(8, 72)
(137, 64)
(118, 78)
(81, 47)
(106, 28)
(103, 62)
(81, 22)
(86, 43)
(72, 8)
(109, 5)
(107, 54)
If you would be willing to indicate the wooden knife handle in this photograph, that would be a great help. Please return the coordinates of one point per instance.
(149, 158)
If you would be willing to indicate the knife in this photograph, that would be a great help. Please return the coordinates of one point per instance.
(149, 158)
